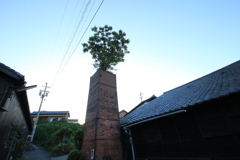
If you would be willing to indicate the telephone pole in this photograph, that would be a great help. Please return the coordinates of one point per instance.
(42, 94)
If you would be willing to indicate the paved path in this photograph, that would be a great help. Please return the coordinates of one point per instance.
(60, 158)
(39, 153)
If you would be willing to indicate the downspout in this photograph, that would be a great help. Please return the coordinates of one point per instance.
(128, 131)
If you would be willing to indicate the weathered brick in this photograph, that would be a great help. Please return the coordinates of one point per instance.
(102, 128)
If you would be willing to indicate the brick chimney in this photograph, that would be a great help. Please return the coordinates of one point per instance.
(102, 127)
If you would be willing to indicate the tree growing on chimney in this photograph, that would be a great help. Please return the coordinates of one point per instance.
(107, 47)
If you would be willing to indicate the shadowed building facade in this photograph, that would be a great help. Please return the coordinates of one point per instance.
(15, 120)
(102, 127)
(199, 120)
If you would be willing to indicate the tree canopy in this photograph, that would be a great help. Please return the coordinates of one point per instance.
(107, 47)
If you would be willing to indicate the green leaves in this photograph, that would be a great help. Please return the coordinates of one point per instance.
(107, 47)
(59, 136)
(76, 154)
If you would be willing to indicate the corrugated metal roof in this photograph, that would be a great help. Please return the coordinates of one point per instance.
(214, 85)
(11, 72)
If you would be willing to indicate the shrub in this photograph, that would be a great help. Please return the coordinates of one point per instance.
(78, 138)
(44, 131)
(59, 137)
(76, 154)
(22, 158)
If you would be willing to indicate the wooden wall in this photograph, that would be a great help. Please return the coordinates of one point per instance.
(207, 131)
(14, 115)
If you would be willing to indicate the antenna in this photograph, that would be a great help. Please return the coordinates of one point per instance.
(141, 96)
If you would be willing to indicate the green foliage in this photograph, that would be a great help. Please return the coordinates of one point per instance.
(14, 139)
(64, 137)
(107, 47)
(76, 154)
(22, 158)
(78, 137)
(44, 131)
(59, 137)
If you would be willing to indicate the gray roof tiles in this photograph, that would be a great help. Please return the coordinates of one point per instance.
(214, 85)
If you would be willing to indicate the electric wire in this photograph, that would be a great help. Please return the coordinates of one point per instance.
(83, 14)
(79, 41)
(70, 24)
(77, 20)
(54, 46)
(74, 34)
(64, 56)
(87, 27)
(60, 24)
(84, 22)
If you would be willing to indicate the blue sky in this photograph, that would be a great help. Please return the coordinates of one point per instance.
(172, 42)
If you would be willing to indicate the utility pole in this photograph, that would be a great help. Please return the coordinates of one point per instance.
(42, 94)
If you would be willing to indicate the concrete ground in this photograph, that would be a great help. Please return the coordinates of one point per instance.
(60, 158)
(39, 153)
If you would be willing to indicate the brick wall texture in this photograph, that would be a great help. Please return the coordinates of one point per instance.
(102, 127)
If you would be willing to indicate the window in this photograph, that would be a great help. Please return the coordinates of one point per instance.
(50, 119)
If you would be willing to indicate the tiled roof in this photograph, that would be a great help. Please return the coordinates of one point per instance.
(11, 72)
(50, 112)
(214, 85)
(142, 103)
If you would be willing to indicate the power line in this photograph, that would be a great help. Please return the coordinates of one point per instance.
(87, 27)
(74, 34)
(60, 24)
(85, 21)
(61, 63)
(70, 24)
(83, 14)
(79, 41)
(77, 19)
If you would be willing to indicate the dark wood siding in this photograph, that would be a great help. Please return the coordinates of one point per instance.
(13, 117)
(207, 131)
